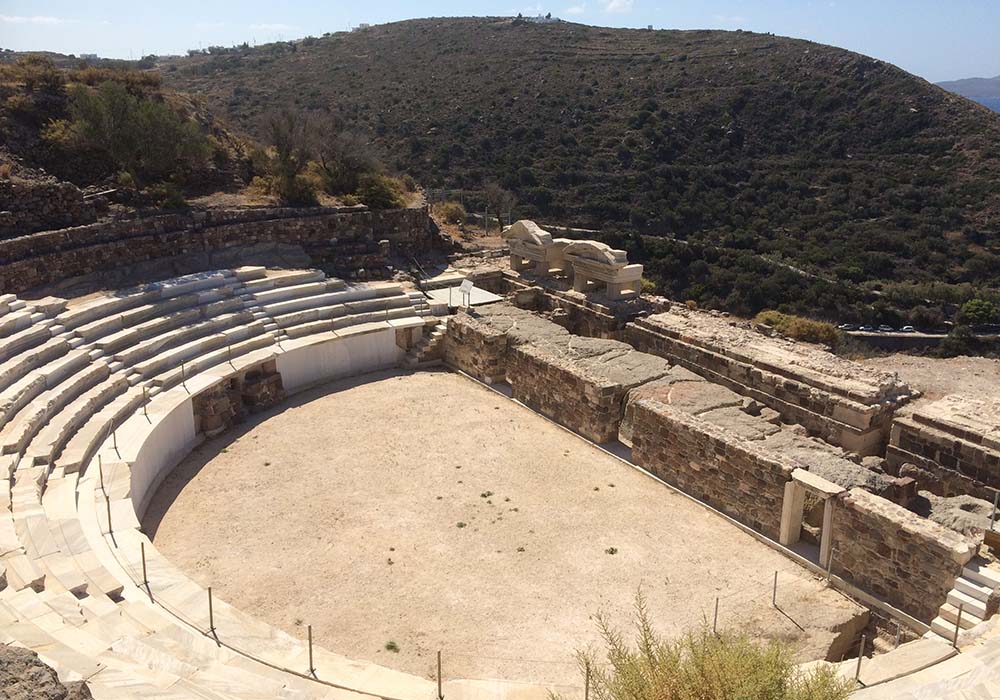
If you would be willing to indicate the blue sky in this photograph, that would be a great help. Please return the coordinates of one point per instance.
(936, 39)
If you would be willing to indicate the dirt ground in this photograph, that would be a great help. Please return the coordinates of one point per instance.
(428, 511)
(936, 377)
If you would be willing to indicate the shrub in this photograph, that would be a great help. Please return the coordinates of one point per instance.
(134, 134)
(648, 286)
(379, 192)
(800, 328)
(451, 212)
(702, 666)
(977, 312)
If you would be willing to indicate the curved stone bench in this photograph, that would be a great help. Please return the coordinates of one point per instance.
(123, 420)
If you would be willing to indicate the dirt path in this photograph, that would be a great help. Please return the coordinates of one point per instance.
(427, 511)
(936, 377)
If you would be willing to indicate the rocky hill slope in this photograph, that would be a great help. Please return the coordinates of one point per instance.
(747, 170)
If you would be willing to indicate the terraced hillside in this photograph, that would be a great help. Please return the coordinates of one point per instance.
(747, 170)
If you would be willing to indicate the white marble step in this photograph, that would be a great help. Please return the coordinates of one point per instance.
(23, 340)
(283, 279)
(979, 571)
(969, 604)
(973, 588)
(31, 359)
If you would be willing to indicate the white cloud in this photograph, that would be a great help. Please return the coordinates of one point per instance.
(618, 6)
(34, 19)
(576, 9)
(273, 27)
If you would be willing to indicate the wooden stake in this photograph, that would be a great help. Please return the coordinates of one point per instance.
(586, 680)
(312, 669)
(145, 579)
(715, 619)
(958, 625)
(861, 655)
(440, 694)
(107, 499)
(211, 614)
(774, 592)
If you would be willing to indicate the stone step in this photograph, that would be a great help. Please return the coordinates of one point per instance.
(973, 588)
(949, 613)
(30, 359)
(943, 628)
(24, 340)
(18, 321)
(246, 273)
(979, 571)
(968, 603)
(283, 279)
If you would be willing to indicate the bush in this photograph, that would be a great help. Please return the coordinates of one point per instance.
(702, 666)
(379, 192)
(451, 212)
(296, 191)
(134, 134)
(800, 328)
(977, 312)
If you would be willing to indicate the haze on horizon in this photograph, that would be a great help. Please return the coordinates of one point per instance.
(936, 40)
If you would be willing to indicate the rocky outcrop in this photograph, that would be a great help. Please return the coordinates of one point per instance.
(23, 676)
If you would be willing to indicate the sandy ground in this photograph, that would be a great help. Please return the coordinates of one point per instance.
(936, 377)
(428, 511)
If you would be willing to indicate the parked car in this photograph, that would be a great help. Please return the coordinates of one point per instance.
(866, 329)
(886, 329)
(848, 327)
(907, 329)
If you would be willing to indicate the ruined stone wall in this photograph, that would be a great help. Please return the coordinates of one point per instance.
(834, 399)
(704, 461)
(27, 206)
(954, 461)
(342, 240)
(907, 561)
(591, 407)
(478, 351)
(228, 403)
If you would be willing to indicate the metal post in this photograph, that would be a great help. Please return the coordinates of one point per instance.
(440, 694)
(586, 680)
(107, 499)
(715, 618)
(100, 473)
(114, 441)
(774, 591)
(312, 669)
(229, 354)
(145, 402)
(211, 614)
(993, 515)
(184, 377)
(145, 579)
(861, 655)
(958, 625)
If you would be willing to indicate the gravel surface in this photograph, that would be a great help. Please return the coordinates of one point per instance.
(428, 511)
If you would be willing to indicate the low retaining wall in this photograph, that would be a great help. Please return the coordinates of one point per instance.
(907, 561)
(35, 205)
(344, 240)
(843, 403)
(704, 461)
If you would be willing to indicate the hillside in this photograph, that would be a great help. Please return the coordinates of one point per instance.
(747, 170)
(985, 91)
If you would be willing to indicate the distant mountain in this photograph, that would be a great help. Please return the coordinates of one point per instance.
(985, 91)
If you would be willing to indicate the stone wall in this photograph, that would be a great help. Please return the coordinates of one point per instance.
(835, 399)
(27, 206)
(705, 461)
(343, 241)
(578, 382)
(228, 403)
(905, 560)
(954, 441)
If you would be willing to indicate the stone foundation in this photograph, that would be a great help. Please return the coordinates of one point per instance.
(345, 241)
(903, 559)
(33, 205)
(955, 444)
(702, 460)
(219, 408)
(831, 397)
